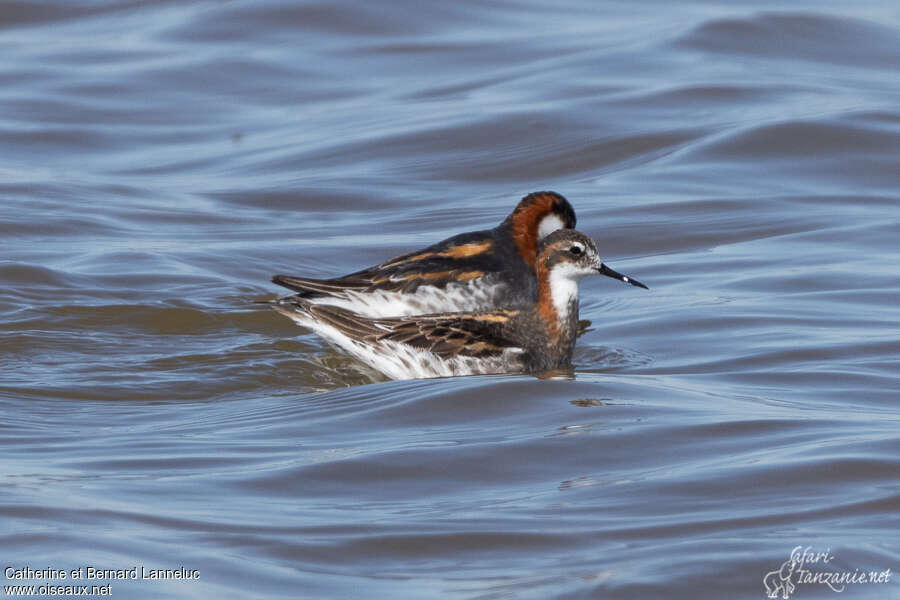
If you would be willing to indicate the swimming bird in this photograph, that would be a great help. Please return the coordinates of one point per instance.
(471, 271)
(531, 339)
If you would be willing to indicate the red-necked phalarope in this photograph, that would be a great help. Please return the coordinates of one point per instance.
(535, 338)
(473, 271)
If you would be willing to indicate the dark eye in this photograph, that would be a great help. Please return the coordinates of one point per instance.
(576, 250)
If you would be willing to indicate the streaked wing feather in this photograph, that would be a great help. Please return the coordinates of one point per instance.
(348, 323)
(447, 336)
(458, 259)
(450, 336)
(322, 286)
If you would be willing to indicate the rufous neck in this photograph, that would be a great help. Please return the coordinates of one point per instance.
(557, 300)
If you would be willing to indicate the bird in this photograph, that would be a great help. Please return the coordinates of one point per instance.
(531, 339)
(478, 270)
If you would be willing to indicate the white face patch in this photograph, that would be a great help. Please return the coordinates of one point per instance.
(564, 280)
(548, 225)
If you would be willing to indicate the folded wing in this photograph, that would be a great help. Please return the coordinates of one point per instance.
(460, 259)
(445, 336)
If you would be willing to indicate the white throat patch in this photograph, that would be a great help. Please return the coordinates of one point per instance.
(564, 280)
(548, 225)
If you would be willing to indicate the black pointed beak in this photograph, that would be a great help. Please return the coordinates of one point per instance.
(610, 273)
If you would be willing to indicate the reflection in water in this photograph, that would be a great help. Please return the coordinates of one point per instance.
(579, 429)
(560, 373)
(597, 359)
(586, 402)
(578, 482)
(584, 326)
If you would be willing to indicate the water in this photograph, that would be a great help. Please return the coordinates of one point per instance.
(160, 161)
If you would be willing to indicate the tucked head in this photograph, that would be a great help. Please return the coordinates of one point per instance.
(538, 215)
(573, 255)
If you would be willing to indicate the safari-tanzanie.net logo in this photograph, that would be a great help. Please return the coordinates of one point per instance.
(807, 567)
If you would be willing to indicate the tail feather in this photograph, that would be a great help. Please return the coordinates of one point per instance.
(317, 286)
(346, 322)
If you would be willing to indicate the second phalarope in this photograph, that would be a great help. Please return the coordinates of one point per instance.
(536, 338)
(467, 272)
